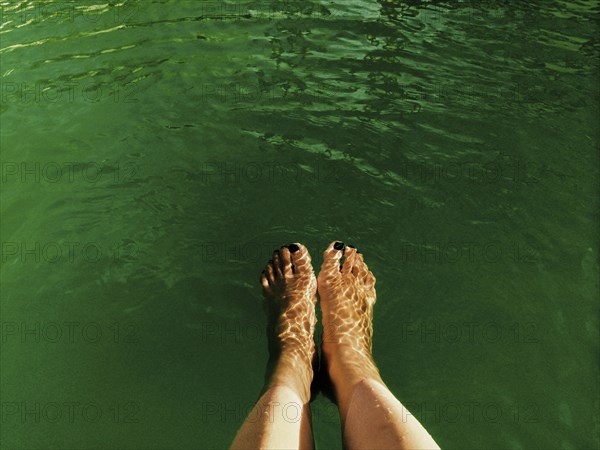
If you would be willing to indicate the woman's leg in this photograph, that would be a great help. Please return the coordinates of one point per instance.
(281, 417)
(279, 420)
(371, 416)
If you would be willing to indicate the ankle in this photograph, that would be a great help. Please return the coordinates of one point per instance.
(347, 365)
(292, 372)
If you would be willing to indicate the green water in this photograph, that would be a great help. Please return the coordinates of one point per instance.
(154, 153)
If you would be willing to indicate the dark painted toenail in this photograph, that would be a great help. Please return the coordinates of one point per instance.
(293, 248)
(338, 246)
(351, 246)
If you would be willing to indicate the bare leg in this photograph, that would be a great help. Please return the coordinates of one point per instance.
(281, 417)
(371, 416)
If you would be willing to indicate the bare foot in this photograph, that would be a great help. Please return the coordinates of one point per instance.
(347, 296)
(289, 287)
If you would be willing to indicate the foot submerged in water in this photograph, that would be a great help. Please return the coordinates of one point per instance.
(289, 287)
(347, 295)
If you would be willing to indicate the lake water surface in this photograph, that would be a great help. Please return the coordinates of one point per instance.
(154, 153)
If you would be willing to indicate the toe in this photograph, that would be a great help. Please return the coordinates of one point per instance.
(369, 280)
(270, 273)
(286, 261)
(277, 265)
(349, 265)
(300, 258)
(363, 269)
(332, 257)
(263, 280)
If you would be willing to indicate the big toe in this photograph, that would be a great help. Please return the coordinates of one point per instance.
(300, 259)
(332, 257)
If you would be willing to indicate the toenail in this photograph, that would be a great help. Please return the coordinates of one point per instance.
(351, 246)
(338, 246)
(293, 248)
